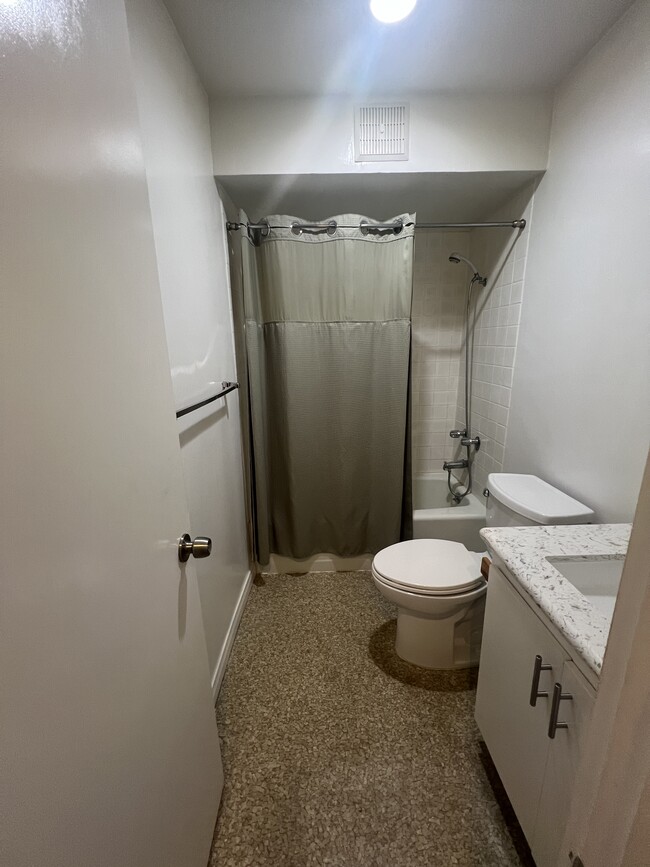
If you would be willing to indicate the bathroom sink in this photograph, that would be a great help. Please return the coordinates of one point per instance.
(596, 579)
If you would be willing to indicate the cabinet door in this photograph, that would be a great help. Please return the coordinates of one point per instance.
(561, 766)
(515, 733)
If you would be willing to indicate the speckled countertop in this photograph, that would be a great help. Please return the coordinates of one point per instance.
(525, 552)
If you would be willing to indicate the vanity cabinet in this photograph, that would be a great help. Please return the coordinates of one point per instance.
(513, 710)
(561, 767)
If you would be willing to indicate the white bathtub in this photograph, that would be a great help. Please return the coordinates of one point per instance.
(436, 516)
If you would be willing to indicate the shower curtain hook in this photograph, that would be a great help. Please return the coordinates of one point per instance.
(395, 227)
(256, 233)
(298, 228)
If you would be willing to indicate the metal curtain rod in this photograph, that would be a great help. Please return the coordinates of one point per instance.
(226, 388)
(506, 224)
(397, 226)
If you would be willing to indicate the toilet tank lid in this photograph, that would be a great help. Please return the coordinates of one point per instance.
(535, 499)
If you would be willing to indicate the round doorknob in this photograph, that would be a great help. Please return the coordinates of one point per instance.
(199, 548)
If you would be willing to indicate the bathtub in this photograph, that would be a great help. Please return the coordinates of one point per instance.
(436, 516)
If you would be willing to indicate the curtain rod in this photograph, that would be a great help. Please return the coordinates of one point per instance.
(364, 226)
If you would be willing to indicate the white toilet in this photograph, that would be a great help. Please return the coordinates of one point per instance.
(437, 585)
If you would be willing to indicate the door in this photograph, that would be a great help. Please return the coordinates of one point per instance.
(515, 732)
(108, 747)
(562, 766)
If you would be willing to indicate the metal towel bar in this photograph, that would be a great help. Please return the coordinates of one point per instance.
(226, 387)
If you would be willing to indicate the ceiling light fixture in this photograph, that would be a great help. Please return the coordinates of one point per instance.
(391, 11)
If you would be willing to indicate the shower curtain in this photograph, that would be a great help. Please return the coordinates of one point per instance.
(328, 337)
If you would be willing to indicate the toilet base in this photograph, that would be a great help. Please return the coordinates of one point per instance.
(449, 642)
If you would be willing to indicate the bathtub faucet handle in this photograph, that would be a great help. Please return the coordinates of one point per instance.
(472, 441)
(457, 434)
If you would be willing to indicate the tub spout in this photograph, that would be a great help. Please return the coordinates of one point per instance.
(455, 465)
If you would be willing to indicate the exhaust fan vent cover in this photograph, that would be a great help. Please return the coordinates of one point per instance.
(381, 132)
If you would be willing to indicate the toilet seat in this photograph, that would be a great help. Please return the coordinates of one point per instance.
(428, 567)
(415, 591)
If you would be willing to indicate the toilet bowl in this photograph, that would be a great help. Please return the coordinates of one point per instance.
(437, 585)
(439, 592)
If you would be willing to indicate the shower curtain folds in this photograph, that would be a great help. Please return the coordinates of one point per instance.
(328, 337)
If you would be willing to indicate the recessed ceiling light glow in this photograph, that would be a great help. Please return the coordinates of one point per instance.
(390, 11)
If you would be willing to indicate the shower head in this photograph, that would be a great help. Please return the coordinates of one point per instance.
(457, 258)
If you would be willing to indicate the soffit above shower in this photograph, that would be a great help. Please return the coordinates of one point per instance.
(313, 47)
(435, 197)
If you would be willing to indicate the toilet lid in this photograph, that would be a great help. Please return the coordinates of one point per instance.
(429, 565)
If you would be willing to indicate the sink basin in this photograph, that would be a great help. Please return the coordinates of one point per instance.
(596, 579)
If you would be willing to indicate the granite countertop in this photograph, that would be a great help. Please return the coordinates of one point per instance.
(524, 552)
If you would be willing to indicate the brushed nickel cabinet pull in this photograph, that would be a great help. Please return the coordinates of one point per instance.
(538, 668)
(558, 696)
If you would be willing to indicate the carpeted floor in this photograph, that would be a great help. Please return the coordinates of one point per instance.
(338, 753)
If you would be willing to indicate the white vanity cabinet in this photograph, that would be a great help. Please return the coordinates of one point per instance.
(537, 771)
(561, 767)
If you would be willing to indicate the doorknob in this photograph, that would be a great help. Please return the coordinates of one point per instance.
(199, 548)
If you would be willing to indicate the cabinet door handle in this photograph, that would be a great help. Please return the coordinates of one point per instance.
(558, 696)
(538, 668)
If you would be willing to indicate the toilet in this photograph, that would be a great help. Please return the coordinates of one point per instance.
(437, 584)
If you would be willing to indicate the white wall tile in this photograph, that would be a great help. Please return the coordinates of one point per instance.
(439, 340)
(438, 331)
(501, 255)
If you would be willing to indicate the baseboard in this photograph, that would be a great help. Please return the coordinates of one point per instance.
(224, 656)
(318, 563)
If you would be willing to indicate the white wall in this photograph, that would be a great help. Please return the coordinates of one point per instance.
(580, 412)
(192, 264)
(460, 133)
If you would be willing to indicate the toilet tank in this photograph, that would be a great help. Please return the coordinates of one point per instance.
(518, 500)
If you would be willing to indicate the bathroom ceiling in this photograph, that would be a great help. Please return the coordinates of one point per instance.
(313, 47)
(456, 197)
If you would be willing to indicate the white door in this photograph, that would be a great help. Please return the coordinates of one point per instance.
(108, 747)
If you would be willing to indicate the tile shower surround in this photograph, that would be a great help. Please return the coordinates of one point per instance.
(439, 293)
(498, 310)
(438, 323)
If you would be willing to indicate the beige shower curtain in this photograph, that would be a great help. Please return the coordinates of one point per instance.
(328, 336)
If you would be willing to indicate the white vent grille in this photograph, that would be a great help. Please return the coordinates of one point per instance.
(381, 133)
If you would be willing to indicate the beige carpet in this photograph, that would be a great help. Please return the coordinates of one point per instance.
(338, 753)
